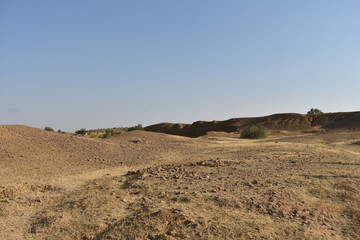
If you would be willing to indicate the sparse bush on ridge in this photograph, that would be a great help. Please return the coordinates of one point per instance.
(107, 132)
(81, 131)
(253, 132)
(63, 132)
(315, 111)
(137, 127)
(50, 129)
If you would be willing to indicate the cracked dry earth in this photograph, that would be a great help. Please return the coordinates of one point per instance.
(288, 186)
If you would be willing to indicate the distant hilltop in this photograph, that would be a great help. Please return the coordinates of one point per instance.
(284, 121)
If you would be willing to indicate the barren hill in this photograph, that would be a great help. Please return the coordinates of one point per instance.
(286, 121)
(28, 152)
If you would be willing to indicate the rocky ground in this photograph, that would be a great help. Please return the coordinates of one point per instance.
(141, 185)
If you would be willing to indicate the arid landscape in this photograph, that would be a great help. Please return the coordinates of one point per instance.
(301, 182)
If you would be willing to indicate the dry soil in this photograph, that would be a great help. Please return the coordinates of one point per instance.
(144, 185)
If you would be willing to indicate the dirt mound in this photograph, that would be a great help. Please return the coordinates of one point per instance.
(147, 138)
(288, 122)
(27, 152)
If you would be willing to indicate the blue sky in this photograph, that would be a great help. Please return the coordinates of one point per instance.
(90, 64)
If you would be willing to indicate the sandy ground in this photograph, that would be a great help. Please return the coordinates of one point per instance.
(143, 185)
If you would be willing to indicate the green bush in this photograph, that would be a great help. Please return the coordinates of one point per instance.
(49, 129)
(137, 127)
(81, 131)
(109, 133)
(253, 132)
(315, 111)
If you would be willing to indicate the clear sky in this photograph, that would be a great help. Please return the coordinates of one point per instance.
(73, 64)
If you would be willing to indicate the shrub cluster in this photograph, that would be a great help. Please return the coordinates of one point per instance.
(109, 133)
(81, 131)
(253, 132)
(49, 129)
(137, 127)
(315, 111)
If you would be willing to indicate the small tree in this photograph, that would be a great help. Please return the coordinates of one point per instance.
(315, 111)
(49, 129)
(253, 132)
(81, 131)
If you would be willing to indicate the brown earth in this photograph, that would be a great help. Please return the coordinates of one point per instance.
(286, 121)
(144, 185)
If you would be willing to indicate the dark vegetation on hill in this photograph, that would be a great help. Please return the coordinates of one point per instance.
(287, 121)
